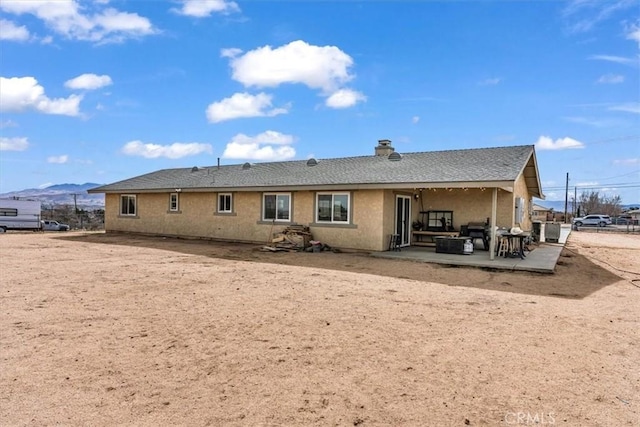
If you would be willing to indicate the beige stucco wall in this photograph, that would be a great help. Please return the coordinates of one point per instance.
(471, 205)
(520, 190)
(539, 215)
(373, 215)
(197, 218)
(366, 232)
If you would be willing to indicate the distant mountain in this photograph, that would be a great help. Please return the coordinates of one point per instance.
(62, 194)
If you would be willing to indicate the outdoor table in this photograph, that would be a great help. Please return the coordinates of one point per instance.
(516, 244)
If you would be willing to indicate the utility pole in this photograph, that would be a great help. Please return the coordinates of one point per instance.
(575, 200)
(566, 198)
(78, 214)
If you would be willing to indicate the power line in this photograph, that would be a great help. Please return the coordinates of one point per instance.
(617, 176)
(624, 185)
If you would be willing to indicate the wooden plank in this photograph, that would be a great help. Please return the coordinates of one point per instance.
(437, 233)
(431, 244)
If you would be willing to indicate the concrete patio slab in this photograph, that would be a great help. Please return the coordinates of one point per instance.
(542, 258)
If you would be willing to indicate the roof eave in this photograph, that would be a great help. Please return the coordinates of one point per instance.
(505, 185)
(536, 189)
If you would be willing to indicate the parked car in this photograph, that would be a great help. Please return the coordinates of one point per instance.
(624, 220)
(48, 225)
(599, 220)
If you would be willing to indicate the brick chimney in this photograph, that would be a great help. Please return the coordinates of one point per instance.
(384, 148)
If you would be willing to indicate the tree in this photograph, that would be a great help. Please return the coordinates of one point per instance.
(592, 203)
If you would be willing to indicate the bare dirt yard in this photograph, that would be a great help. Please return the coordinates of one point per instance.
(103, 329)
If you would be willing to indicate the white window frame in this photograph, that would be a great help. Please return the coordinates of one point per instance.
(174, 206)
(221, 207)
(122, 204)
(333, 220)
(277, 196)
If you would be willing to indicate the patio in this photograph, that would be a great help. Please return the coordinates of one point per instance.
(541, 259)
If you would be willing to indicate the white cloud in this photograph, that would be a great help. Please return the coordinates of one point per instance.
(587, 184)
(617, 59)
(629, 107)
(490, 82)
(89, 21)
(11, 31)
(23, 93)
(318, 67)
(611, 79)
(325, 68)
(415, 119)
(625, 162)
(243, 105)
(13, 144)
(88, 82)
(633, 33)
(7, 124)
(45, 185)
(174, 151)
(267, 137)
(546, 143)
(231, 52)
(204, 8)
(344, 98)
(552, 195)
(584, 15)
(58, 159)
(269, 145)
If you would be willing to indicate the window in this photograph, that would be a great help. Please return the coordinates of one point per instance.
(333, 207)
(276, 207)
(225, 203)
(8, 212)
(173, 202)
(128, 205)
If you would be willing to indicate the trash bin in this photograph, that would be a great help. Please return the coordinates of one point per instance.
(552, 231)
(536, 230)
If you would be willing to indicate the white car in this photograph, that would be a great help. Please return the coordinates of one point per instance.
(54, 226)
(599, 220)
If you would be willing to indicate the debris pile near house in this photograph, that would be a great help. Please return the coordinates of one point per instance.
(295, 237)
(317, 246)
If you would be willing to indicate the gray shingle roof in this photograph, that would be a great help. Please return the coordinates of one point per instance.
(436, 167)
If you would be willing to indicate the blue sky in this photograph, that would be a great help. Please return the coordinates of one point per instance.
(99, 91)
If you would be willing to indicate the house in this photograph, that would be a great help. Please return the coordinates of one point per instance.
(350, 203)
(540, 213)
(633, 215)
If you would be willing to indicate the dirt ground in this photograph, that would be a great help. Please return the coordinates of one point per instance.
(102, 329)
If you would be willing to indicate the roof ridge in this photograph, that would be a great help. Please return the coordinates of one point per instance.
(366, 156)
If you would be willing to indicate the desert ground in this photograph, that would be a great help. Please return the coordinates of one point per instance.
(105, 329)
